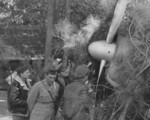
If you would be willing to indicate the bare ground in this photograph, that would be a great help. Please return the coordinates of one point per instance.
(4, 114)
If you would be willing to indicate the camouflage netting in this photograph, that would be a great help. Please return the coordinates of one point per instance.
(130, 68)
(130, 61)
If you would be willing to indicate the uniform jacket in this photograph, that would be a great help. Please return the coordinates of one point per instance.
(17, 98)
(41, 104)
(75, 96)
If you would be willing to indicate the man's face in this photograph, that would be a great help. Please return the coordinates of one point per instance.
(51, 77)
(25, 74)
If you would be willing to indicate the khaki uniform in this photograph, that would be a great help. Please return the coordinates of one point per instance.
(40, 103)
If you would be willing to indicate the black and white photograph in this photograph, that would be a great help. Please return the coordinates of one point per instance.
(74, 59)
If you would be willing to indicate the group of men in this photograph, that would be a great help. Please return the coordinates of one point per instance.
(75, 96)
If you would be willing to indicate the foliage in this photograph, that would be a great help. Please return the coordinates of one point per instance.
(72, 36)
(75, 39)
(65, 30)
(28, 42)
(7, 51)
(25, 12)
(81, 9)
(24, 26)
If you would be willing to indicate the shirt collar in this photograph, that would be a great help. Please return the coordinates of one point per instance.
(22, 83)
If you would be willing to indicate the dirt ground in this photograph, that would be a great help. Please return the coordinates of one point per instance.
(4, 114)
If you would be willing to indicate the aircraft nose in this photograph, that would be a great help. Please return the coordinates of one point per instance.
(100, 50)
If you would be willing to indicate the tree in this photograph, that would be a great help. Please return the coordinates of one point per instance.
(23, 25)
(67, 11)
(49, 35)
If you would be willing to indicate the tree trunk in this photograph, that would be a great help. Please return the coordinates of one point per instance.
(55, 19)
(49, 36)
(67, 11)
(66, 50)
